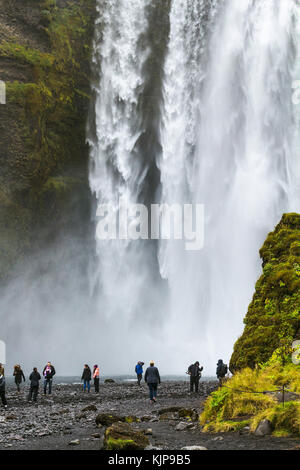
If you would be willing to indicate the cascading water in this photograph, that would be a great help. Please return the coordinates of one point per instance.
(230, 148)
(121, 167)
(228, 136)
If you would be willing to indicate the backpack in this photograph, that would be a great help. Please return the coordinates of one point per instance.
(224, 369)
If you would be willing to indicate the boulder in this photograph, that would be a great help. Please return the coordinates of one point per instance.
(168, 415)
(89, 408)
(121, 436)
(264, 428)
(170, 409)
(181, 426)
(76, 442)
(193, 448)
(63, 412)
(105, 419)
(150, 447)
(148, 432)
(109, 381)
(191, 414)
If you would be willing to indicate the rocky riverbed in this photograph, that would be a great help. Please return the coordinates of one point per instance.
(67, 419)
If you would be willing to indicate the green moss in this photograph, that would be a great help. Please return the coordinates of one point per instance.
(120, 444)
(53, 104)
(234, 406)
(50, 109)
(226, 426)
(273, 318)
(284, 419)
(25, 54)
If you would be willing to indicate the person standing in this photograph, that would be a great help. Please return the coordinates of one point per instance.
(1, 369)
(2, 390)
(86, 377)
(96, 377)
(139, 371)
(34, 384)
(18, 375)
(194, 372)
(152, 378)
(221, 371)
(48, 374)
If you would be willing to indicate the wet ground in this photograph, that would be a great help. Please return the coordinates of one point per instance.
(54, 422)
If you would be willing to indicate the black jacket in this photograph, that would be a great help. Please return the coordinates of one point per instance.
(2, 384)
(195, 371)
(34, 379)
(86, 374)
(52, 373)
(222, 369)
(18, 374)
(152, 375)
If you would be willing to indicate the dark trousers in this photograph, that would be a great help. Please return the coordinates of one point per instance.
(96, 384)
(18, 383)
(139, 378)
(194, 381)
(33, 392)
(152, 391)
(221, 379)
(3, 399)
(49, 384)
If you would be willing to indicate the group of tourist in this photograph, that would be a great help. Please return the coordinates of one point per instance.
(151, 377)
(34, 378)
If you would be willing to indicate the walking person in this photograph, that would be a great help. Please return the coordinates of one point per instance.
(34, 384)
(152, 378)
(221, 371)
(139, 371)
(2, 390)
(48, 374)
(86, 377)
(96, 377)
(18, 375)
(194, 371)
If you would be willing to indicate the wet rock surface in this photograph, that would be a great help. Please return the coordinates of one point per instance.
(67, 419)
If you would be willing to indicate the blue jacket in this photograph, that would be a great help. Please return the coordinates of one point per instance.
(139, 369)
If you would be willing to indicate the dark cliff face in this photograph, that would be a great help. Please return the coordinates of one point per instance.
(273, 317)
(45, 49)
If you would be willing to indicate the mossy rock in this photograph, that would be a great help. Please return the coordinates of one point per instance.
(190, 414)
(43, 140)
(273, 317)
(121, 436)
(106, 419)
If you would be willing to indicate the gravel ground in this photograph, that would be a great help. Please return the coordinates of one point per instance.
(53, 422)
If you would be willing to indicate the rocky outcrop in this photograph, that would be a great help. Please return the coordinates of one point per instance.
(273, 317)
(45, 64)
(121, 436)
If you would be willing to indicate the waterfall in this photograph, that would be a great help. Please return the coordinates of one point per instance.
(222, 131)
(228, 130)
